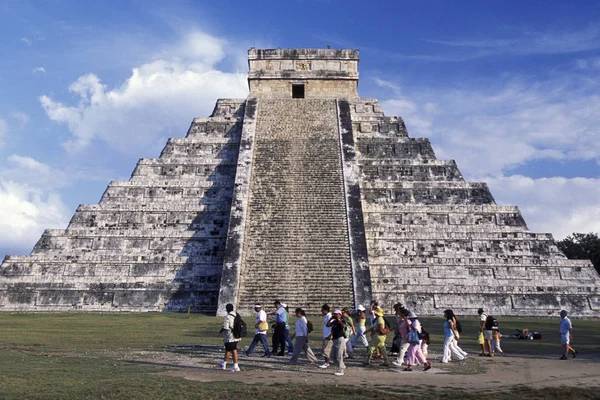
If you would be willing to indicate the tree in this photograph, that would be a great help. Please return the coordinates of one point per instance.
(582, 246)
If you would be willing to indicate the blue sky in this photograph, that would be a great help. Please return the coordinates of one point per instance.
(511, 90)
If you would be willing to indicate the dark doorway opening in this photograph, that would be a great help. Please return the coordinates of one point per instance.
(297, 91)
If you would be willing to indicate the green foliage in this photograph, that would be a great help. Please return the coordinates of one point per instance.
(582, 246)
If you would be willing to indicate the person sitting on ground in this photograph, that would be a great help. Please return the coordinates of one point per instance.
(338, 326)
(301, 335)
(260, 334)
(327, 343)
(414, 348)
(378, 334)
(566, 335)
(229, 340)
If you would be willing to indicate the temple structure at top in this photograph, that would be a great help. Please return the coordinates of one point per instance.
(306, 193)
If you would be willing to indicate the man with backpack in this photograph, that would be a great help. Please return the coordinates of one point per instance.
(488, 324)
(229, 338)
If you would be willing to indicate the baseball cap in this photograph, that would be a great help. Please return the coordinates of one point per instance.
(361, 307)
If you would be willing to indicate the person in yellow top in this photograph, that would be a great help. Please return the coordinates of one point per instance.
(379, 332)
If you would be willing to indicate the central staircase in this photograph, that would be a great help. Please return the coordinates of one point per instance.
(297, 247)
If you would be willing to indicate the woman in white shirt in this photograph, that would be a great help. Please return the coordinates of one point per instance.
(301, 335)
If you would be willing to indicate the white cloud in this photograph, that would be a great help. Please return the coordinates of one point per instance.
(157, 101)
(3, 131)
(25, 212)
(40, 70)
(490, 131)
(27, 41)
(557, 205)
(29, 164)
(21, 117)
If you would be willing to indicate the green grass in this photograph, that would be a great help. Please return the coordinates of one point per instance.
(78, 355)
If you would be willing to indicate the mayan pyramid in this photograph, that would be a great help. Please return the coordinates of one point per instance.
(303, 192)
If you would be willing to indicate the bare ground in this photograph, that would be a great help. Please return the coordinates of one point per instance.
(198, 363)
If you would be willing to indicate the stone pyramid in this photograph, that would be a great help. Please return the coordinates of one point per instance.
(307, 193)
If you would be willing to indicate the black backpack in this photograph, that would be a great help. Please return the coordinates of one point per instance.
(240, 329)
(309, 326)
(491, 323)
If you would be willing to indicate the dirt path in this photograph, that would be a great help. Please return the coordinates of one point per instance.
(474, 374)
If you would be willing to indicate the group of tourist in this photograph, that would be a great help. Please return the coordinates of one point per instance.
(342, 332)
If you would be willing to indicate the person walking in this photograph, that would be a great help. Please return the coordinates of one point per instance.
(481, 339)
(279, 334)
(229, 340)
(379, 335)
(301, 336)
(260, 333)
(288, 341)
(566, 335)
(338, 327)
(349, 331)
(450, 348)
(414, 349)
(361, 329)
(403, 329)
(327, 343)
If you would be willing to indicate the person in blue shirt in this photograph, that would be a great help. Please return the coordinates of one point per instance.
(279, 334)
(566, 335)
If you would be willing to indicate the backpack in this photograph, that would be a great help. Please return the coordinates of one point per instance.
(458, 327)
(491, 323)
(348, 329)
(240, 329)
(309, 326)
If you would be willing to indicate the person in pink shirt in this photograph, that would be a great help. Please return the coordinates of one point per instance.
(414, 348)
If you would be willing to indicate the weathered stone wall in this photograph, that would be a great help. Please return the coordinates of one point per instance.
(437, 242)
(155, 242)
(324, 72)
(296, 245)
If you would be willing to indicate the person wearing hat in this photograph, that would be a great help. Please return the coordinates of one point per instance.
(414, 348)
(260, 333)
(379, 335)
(338, 326)
(361, 328)
(279, 334)
(566, 335)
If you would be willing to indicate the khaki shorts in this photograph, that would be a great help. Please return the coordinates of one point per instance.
(327, 346)
(487, 334)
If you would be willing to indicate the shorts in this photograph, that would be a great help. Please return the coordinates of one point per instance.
(565, 338)
(487, 334)
(231, 346)
(327, 346)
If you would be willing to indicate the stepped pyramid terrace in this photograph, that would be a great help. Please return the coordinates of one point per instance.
(303, 192)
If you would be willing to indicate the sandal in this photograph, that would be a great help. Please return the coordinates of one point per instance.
(427, 367)
(407, 369)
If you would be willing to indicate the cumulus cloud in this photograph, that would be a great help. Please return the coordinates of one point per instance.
(557, 205)
(29, 202)
(25, 212)
(156, 101)
(490, 132)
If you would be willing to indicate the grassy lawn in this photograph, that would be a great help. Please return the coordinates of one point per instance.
(77, 355)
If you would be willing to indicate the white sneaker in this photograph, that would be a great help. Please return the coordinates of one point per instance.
(396, 363)
(324, 365)
(339, 372)
(235, 369)
(222, 365)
